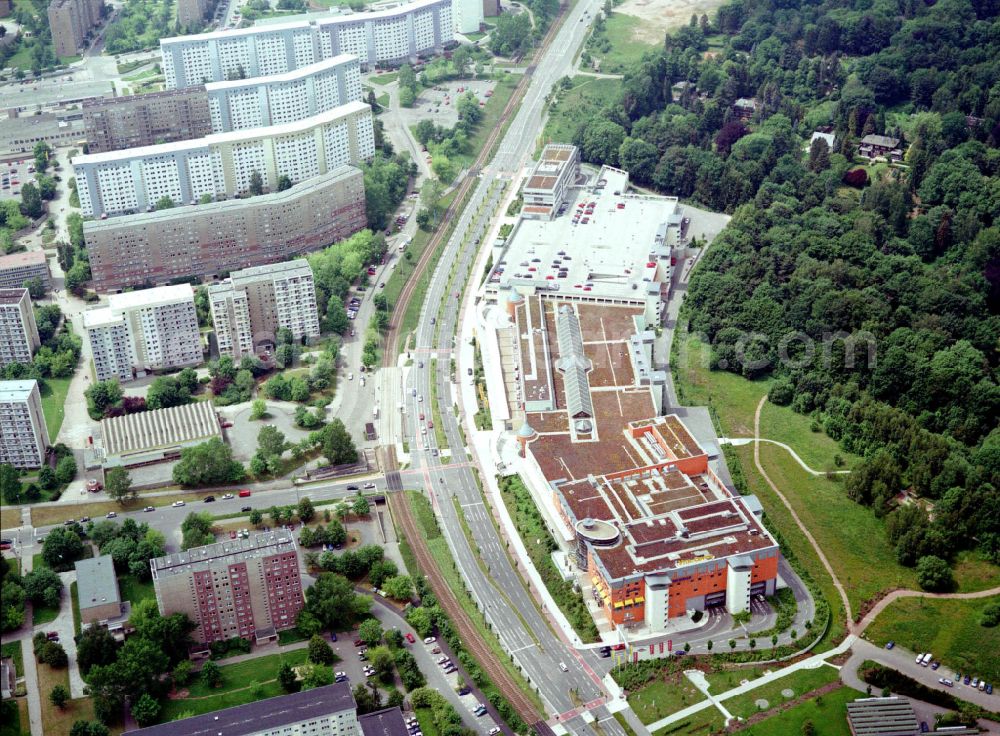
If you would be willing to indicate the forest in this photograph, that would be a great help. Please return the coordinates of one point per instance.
(900, 257)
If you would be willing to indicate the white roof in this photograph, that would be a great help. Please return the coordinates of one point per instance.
(304, 71)
(100, 317)
(16, 390)
(333, 19)
(150, 297)
(235, 136)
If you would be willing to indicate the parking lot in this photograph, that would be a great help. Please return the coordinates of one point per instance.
(438, 103)
(14, 175)
(447, 684)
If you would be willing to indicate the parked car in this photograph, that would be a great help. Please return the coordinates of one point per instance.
(244, 493)
(52, 635)
(94, 485)
(246, 509)
(178, 504)
(410, 637)
(209, 499)
(494, 731)
(890, 644)
(563, 667)
(149, 508)
(333, 636)
(464, 690)
(358, 643)
(945, 681)
(114, 515)
(228, 496)
(430, 640)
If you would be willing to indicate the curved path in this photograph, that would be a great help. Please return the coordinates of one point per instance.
(737, 441)
(898, 594)
(802, 527)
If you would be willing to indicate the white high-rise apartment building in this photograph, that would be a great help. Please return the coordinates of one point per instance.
(392, 36)
(18, 332)
(23, 434)
(251, 306)
(284, 98)
(222, 165)
(145, 330)
(468, 15)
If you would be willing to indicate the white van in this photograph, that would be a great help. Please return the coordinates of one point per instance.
(927, 659)
(920, 658)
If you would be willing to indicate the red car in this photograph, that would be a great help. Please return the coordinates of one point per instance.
(244, 493)
(618, 647)
(358, 643)
(410, 638)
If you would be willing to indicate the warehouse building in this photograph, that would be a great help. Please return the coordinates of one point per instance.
(210, 240)
(154, 436)
(223, 165)
(249, 588)
(391, 36)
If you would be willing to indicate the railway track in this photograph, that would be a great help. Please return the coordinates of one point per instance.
(471, 638)
(402, 304)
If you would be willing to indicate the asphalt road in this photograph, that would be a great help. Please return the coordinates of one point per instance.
(496, 585)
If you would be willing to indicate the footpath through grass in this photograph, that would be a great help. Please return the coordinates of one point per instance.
(950, 629)
(850, 535)
(244, 682)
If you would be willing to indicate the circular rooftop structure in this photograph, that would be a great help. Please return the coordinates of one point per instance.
(597, 532)
(515, 298)
(526, 431)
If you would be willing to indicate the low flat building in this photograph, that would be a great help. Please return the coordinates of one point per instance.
(17, 269)
(252, 305)
(249, 588)
(97, 590)
(385, 722)
(210, 240)
(154, 436)
(19, 133)
(18, 332)
(546, 189)
(322, 711)
(23, 434)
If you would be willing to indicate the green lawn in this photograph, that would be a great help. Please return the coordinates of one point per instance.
(975, 572)
(74, 598)
(237, 685)
(384, 78)
(660, 698)
(135, 590)
(826, 712)
(54, 391)
(12, 649)
(799, 682)
(948, 628)
(425, 717)
(10, 718)
(704, 722)
(620, 31)
(586, 97)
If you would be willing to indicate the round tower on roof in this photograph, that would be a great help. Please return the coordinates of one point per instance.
(525, 435)
(514, 300)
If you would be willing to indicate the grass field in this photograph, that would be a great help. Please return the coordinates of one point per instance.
(14, 718)
(54, 404)
(626, 50)
(384, 78)
(799, 682)
(974, 572)
(135, 590)
(826, 713)
(850, 535)
(948, 628)
(56, 722)
(41, 615)
(74, 599)
(587, 96)
(706, 721)
(238, 685)
(10, 517)
(663, 697)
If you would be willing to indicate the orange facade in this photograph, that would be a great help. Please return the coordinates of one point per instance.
(626, 604)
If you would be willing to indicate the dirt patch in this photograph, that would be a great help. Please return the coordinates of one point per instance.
(660, 16)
